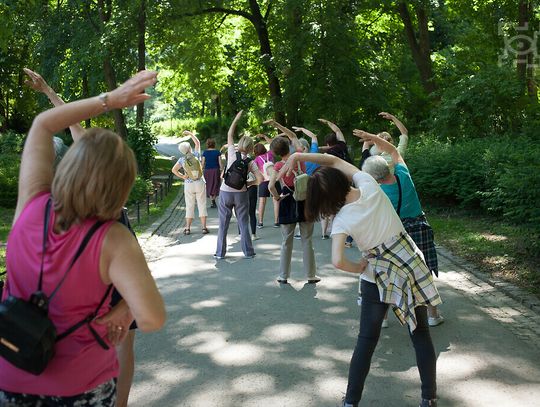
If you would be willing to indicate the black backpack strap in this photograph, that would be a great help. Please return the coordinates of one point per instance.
(44, 243)
(238, 156)
(86, 321)
(400, 195)
(85, 241)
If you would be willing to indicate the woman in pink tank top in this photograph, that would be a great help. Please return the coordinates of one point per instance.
(82, 370)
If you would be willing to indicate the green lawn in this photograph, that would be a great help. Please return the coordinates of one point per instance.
(503, 250)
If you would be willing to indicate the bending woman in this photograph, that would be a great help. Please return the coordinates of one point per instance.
(81, 371)
(393, 271)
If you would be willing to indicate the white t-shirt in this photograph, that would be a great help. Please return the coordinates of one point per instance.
(371, 220)
(231, 157)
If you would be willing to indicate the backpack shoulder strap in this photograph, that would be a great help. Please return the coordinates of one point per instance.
(400, 195)
(86, 321)
(81, 248)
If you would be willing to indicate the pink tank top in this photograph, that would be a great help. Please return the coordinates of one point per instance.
(80, 363)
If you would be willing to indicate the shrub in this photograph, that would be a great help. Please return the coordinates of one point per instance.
(141, 140)
(9, 178)
(11, 142)
(141, 188)
(499, 175)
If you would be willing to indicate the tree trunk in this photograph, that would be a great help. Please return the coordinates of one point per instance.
(85, 95)
(141, 52)
(421, 48)
(110, 80)
(267, 59)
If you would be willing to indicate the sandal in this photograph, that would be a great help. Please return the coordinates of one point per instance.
(187, 232)
(205, 231)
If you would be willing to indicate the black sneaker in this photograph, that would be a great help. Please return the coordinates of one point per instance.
(276, 225)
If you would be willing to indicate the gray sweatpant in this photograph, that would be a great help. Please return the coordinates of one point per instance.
(238, 201)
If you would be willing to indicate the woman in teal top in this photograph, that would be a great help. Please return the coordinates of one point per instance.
(399, 187)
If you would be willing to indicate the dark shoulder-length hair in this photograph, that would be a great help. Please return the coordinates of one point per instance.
(259, 149)
(326, 193)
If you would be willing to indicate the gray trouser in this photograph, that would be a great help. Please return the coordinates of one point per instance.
(306, 233)
(238, 201)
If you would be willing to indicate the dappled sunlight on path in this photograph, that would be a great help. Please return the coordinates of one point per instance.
(235, 337)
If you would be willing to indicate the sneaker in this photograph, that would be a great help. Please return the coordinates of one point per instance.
(384, 323)
(218, 257)
(250, 256)
(254, 237)
(260, 226)
(348, 244)
(282, 280)
(276, 225)
(434, 321)
(213, 205)
(428, 403)
(325, 237)
(314, 280)
(297, 237)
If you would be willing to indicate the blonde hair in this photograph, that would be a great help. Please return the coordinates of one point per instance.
(94, 178)
(245, 144)
(386, 136)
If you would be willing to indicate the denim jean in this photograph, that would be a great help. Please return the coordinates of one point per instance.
(371, 317)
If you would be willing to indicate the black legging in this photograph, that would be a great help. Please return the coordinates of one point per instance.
(252, 196)
(371, 317)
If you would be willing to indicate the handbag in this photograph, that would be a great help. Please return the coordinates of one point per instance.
(300, 184)
(27, 334)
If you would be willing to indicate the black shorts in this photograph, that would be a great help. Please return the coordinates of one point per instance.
(264, 192)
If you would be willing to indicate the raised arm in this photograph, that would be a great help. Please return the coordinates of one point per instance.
(381, 144)
(37, 83)
(196, 141)
(36, 171)
(327, 160)
(334, 128)
(396, 121)
(265, 137)
(307, 133)
(288, 132)
(232, 129)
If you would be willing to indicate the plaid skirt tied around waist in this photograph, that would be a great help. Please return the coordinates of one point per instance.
(402, 277)
(421, 233)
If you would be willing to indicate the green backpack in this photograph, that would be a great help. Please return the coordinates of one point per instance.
(192, 166)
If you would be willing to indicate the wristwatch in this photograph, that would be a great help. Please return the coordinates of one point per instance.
(103, 97)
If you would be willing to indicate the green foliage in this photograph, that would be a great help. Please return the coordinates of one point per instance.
(142, 140)
(206, 127)
(11, 143)
(485, 103)
(9, 179)
(500, 175)
(141, 188)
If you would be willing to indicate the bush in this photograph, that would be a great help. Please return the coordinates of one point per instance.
(9, 179)
(141, 140)
(11, 142)
(141, 188)
(499, 175)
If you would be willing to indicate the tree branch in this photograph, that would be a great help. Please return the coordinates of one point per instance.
(218, 10)
(270, 4)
